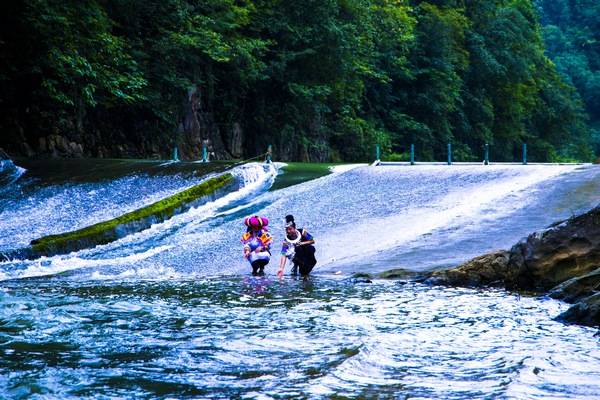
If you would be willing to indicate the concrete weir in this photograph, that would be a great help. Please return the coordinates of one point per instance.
(126, 224)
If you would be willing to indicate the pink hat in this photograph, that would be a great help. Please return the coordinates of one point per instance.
(256, 222)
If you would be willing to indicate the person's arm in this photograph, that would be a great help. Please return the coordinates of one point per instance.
(283, 260)
(305, 239)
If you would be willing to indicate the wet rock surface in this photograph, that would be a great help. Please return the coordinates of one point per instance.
(562, 261)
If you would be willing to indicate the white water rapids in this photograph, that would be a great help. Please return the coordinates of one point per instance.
(171, 312)
(364, 219)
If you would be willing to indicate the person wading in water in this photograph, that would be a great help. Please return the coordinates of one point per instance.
(298, 248)
(257, 242)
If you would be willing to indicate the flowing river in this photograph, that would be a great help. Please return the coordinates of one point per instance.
(173, 312)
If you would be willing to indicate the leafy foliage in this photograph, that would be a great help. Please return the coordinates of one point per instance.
(321, 80)
(572, 34)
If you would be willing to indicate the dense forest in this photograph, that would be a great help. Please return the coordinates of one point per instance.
(572, 36)
(320, 80)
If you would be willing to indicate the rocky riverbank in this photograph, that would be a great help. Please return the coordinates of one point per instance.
(562, 261)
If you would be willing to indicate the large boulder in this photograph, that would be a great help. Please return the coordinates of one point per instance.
(566, 250)
(584, 312)
(487, 270)
(562, 260)
(577, 288)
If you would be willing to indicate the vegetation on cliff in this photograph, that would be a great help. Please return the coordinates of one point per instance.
(320, 80)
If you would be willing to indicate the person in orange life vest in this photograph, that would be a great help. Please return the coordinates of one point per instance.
(298, 248)
(257, 242)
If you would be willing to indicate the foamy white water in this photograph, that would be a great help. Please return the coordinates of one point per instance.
(253, 179)
(171, 312)
(465, 195)
(364, 219)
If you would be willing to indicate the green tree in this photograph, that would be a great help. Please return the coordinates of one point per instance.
(572, 36)
(434, 89)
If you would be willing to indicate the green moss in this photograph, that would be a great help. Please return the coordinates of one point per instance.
(399, 273)
(362, 275)
(295, 173)
(350, 351)
(107, 231)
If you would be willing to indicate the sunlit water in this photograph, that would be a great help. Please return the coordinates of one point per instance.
(172, 312)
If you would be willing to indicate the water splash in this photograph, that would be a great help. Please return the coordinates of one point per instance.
(9, 173)
(133, 249)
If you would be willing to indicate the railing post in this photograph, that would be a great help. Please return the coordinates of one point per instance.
(524, 153)
(269, 154)
(412, 154)
(486, 159)
(449, 153)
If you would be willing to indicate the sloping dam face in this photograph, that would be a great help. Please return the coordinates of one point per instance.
(131, 222)
(128, 223)
(368, 219)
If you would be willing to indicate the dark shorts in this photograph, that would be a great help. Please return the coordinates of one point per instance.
(305, 259)
(258, 266)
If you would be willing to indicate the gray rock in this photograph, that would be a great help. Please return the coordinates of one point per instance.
(562, 260)
(585, 312)
(565, 250)
(486, 270)
(576, 288)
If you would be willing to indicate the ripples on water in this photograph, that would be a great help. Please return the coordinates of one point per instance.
(243, 337)
(141, 317)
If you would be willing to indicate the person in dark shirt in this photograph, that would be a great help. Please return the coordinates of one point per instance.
(298, 248)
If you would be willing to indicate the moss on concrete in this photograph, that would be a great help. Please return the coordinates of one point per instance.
(295, 173)
(135, 221)
(400, 273)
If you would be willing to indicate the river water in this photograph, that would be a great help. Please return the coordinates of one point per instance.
(172, 312)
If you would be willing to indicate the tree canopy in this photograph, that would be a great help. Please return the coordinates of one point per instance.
(321, 80)
(572, 35)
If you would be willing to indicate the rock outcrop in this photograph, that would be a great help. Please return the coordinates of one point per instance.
(103, 135)
(563, 261)
(199, 128)
(487, 270)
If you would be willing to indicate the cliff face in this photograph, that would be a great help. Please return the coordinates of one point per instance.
(104, 134)
(135, 134)
(199, 127)
(562, 261)
(105, 139)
